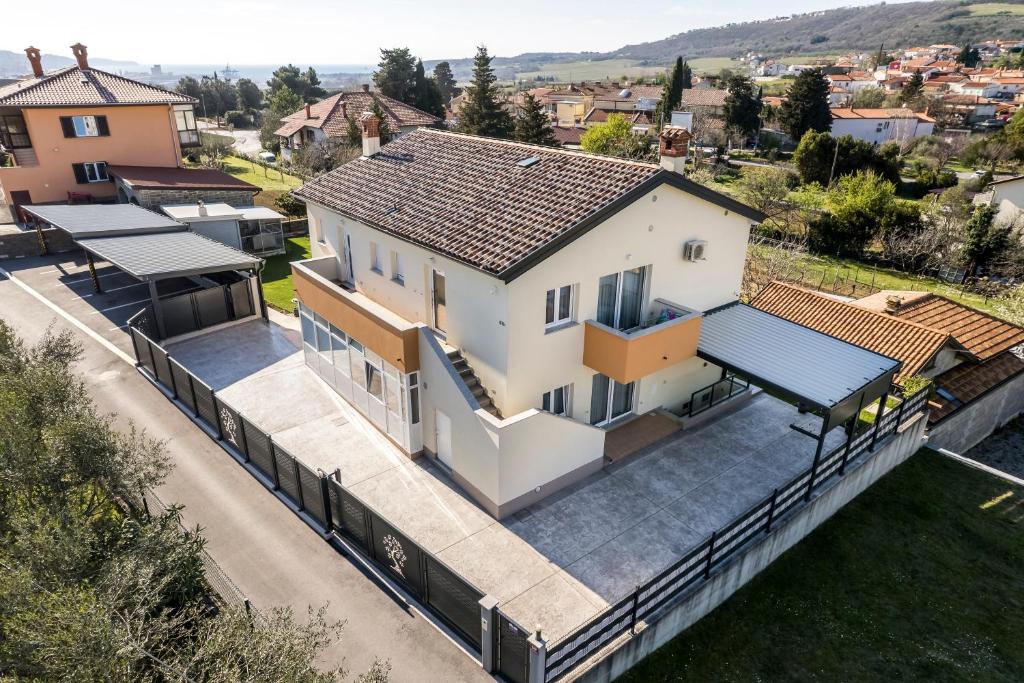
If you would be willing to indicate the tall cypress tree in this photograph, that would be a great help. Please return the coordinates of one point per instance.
(806, 105)
(672, 93)
(533, 124)
(428, 97)
(483, 113)
(445, 81)
(687, 76)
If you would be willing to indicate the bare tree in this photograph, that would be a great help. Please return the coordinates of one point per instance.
(769, 260)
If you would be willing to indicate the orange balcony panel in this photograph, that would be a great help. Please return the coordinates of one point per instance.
(388, 335)
(626, 356)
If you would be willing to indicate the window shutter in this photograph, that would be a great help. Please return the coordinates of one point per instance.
(80, 176)
(101, 125)
(68, 126)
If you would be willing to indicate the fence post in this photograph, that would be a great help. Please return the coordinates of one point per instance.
(711, 553)
(273, 465)
(174, 382)
(771, 511)
(488, 626)
(298, 484)
(328, 516)
(135, 344)
(878, 419)
(899, 414)
(192, 391)
(632, 610)
(243, 440)
(216, 412)
(538, 657)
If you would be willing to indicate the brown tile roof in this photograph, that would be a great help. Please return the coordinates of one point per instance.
(152, 177)
(330, 116)
(704, 97)
(983, 335)
(568, 136)
(968, 381)
(913, 344)
(471, 199)
(72, 86)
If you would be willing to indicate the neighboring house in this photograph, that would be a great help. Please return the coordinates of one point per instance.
(974, 88)
(968, 109)
(499, 305)
(878, 126)
(637, 103)
(1008, 197)
(642, 121)
(853, 81)
(706, 100)
(570, 138)
(329, 119)
(64, 128)
(975, 360)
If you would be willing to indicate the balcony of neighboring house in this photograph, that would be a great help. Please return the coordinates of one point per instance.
(185, 123)
(15, 143)
(666, 335)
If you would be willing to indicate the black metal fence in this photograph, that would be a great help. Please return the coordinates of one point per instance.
(716, 393)
(196, 310)
(697, 564)
(334, 508)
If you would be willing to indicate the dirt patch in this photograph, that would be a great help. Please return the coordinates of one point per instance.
(1003, 449)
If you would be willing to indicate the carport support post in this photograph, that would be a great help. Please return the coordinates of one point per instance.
(878, 419)
(488, 636)
(92, 273)
(817, 457)
(538, 657)
(157, 311)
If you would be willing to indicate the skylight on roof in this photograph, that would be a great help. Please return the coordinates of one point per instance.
(528, 162)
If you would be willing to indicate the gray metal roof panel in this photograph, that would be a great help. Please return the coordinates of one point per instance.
(168, 254)
(103, 220)
(807, 363)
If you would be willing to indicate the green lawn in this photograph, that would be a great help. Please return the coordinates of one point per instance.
(988, 9)
(590, 70)
(268, 179)
(277, 274)
(918, 579)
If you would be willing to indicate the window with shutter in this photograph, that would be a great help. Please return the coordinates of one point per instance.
(101, 126)
(80, 177)
(68, 126)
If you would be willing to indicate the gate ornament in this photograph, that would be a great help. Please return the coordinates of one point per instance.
(227, 421)
(395, 553)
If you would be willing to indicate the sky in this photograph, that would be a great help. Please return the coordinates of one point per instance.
(347, 32)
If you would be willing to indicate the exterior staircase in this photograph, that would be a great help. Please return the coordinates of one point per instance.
(473, 383)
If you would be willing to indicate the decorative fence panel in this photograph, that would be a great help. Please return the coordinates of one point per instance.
(231, 427)
(261, 450)
(453, 598)
(206, 404)
(396, 553)
(287, 478)
(162, 367)
(349, 515)
(183, 385)
(312, 494)
(513, 650)
(142, 351)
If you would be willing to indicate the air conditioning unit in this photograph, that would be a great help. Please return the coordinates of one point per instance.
(694, 250)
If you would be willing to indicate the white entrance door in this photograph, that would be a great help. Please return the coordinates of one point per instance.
(443, 425)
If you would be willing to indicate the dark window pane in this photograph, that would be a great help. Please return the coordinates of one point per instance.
(549, 314)
(414, 405)
(546, 401)
(564, 303)
(373, 382)
(559, 401)
(599, 399)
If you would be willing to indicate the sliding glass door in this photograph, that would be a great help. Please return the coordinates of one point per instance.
(620, 299)
(609, 400)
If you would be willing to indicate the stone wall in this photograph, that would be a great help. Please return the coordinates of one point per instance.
(733, 575)
(154, 199)
(22, 244)
(968, 426)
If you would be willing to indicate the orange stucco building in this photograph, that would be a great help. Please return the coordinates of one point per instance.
(61, 130)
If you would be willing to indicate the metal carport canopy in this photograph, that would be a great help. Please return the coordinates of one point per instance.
(816, 369)
(84, 221)
(164, 255)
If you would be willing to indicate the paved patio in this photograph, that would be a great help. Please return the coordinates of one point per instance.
(556, 563)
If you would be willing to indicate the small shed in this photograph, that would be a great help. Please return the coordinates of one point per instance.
(255, 229)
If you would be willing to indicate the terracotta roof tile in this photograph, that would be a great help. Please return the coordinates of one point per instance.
(153, 177)
(968, 381)
(469, 198)
(330, 116)
(983, 335)
(73, 86)
(909, 342)
(704, 97)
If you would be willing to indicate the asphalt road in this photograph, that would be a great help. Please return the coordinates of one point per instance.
(246, 141)
(270, 553)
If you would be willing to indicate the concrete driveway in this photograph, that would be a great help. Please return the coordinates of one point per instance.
(246, 141)
(274, 558)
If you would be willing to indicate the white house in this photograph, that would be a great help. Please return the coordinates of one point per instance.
(1008, 197)
(878, 126)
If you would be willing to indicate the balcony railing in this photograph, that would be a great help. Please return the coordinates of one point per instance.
(668, 335)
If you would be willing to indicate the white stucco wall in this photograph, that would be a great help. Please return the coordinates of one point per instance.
(1008, 198)
(225, 232)
(892, 129)
(647, 232)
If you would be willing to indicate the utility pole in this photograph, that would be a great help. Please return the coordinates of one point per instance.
(835, 157)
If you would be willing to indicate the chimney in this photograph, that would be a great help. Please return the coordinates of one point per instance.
(81, 54)
(366, 87)
(36, 60)
(202, 208)
(371, 133)
(308, 114)
(893, 304)
(673, 148)
(344, 110)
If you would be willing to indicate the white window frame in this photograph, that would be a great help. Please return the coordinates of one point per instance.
(560, 293)
(375, 258)
(548, 399)
(96, 171)
(85, 126)
(396, 268)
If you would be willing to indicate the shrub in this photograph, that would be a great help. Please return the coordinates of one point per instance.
(289, 205)
(238, 119)
(913, 384)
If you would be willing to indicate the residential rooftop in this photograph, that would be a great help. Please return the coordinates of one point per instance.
(172, 178)
(75, 86)
(496, 205)
(332, 114)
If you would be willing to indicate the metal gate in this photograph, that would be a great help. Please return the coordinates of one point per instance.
(513, 650)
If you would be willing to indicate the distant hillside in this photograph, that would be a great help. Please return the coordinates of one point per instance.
(842, 30)
(16, 64)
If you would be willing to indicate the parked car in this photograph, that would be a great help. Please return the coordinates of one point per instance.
(267, 157)
(990, 124)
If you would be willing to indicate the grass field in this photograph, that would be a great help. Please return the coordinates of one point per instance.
(268, 179)
(614, 69)
(988, 9)
(918, 579)
(277, 274)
